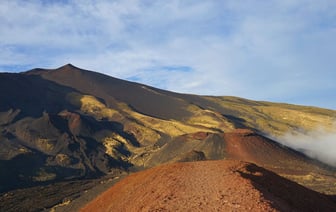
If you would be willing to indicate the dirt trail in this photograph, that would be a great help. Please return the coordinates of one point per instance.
(208, 186)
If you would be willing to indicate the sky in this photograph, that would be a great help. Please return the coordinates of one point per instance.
(273, 50)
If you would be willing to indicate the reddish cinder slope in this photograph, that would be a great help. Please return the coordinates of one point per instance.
(209, 186)
(246, 145)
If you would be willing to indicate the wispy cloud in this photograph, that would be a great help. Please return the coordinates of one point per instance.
(272, 50)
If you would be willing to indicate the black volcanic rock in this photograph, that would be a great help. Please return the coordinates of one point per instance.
(142, 98)
(32, 95)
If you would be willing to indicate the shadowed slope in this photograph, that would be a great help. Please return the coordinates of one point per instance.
(32, 95)
(209, 186)
(142, 98)
(43, 138)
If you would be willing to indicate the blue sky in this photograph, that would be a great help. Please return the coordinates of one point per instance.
(271, 50)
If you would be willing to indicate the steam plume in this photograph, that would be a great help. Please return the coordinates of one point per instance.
(318, 144)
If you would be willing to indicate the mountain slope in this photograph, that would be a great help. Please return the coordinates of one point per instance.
(266, 117)
(147, 100)
(69, 123)
(209, 186)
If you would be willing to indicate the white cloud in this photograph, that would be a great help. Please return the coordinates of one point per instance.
(274, 50)
(318, 144)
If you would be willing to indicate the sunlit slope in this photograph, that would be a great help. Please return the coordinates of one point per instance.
(276, 118)
(265, 117)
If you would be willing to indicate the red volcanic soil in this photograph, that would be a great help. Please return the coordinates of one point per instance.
(209, 186)
(246, 145)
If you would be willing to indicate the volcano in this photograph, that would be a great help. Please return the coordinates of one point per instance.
(69, 126)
